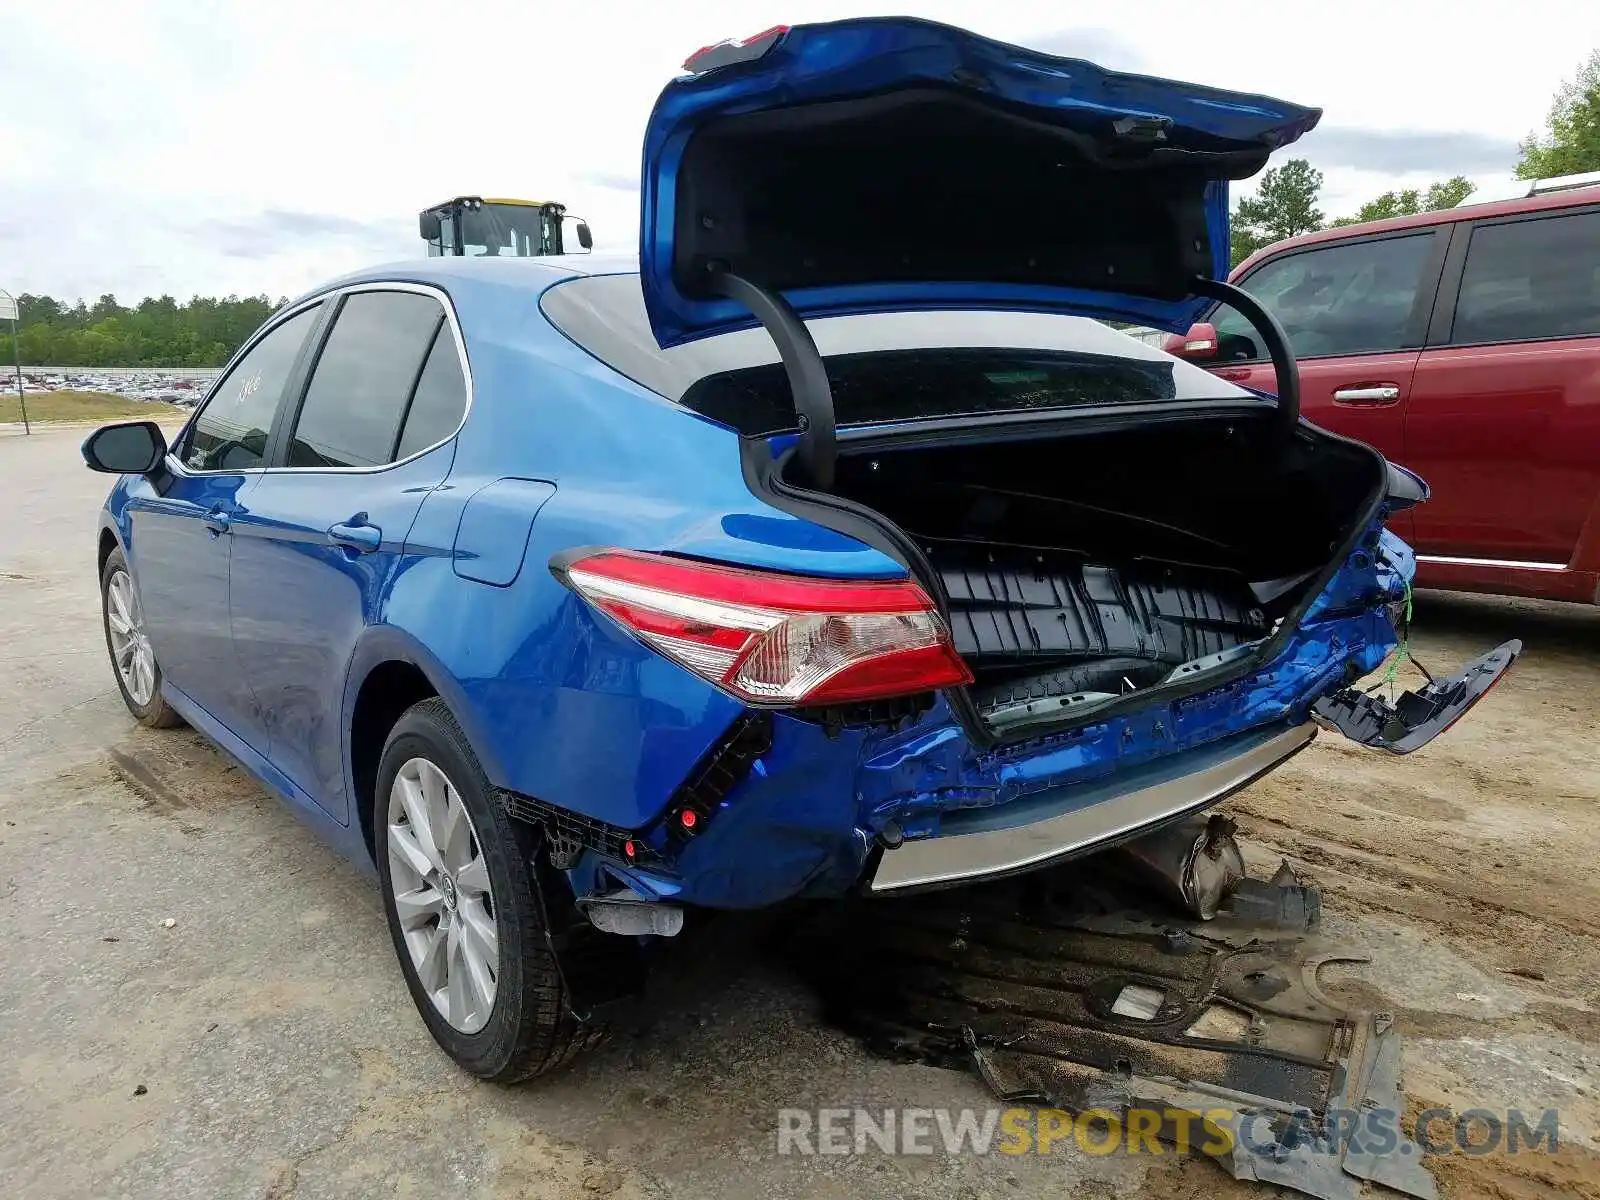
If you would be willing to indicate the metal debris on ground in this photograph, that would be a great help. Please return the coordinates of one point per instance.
(1195, 864)
(1070, 989)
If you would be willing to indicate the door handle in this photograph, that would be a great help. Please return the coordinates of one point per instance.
(356, 534)
(1368, 394)
(217, 522)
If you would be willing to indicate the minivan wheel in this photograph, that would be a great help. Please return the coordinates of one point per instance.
(133, 662)
(458, 893)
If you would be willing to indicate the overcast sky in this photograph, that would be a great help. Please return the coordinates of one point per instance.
(185, 146)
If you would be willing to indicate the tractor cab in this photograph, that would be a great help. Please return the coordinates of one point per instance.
(471, 226)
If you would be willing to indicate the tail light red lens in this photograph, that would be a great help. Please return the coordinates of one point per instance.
(733, 50)
(776, 639)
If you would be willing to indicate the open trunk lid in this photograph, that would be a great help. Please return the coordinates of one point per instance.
(894, 163)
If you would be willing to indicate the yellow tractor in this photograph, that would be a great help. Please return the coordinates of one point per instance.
(471, 226)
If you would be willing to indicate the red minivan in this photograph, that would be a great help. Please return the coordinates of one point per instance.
(1465, 345)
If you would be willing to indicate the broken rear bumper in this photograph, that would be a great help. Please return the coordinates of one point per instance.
(1067, 821)
(1417, 717)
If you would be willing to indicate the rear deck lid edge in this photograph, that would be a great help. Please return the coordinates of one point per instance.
(879, 164)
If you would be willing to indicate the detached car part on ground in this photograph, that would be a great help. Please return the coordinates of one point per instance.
(1195, 1004)
(806, 558)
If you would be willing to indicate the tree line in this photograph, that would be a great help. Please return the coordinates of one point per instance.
(159, 332)
(1285, 202)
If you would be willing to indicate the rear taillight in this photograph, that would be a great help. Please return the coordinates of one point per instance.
(771, 638)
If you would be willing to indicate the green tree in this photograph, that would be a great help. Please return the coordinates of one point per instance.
(1571, 141)
(158, 332)
(1447, 193)
(1284, 205)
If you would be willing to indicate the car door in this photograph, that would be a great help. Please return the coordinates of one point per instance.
(1356, 315)
(181, 543)
(371, 434)
(1504, 419)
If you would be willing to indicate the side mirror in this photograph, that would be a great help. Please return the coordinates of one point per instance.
(1198, 345)
(132, 448)
(585, 238)
(428, 226)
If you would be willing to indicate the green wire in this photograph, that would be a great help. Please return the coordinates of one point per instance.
(1403, 650)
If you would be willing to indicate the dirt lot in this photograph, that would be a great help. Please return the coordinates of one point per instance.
(264, 1046)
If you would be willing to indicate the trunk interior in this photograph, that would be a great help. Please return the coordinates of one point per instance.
(1083, 567)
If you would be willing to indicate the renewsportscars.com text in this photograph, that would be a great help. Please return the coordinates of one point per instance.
(1016, 1131)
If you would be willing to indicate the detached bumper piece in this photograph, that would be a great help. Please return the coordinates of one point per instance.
(1417, 717)
(1213, 1036)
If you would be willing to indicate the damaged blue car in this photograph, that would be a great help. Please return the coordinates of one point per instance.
(838, 545)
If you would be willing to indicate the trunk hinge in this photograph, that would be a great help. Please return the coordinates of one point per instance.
(1278, 348)
(808, 376)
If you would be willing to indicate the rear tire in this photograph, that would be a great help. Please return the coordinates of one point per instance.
(516, 1021)
(133, 663)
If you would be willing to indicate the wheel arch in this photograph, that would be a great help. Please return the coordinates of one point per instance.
(389, 672)
(1586, 551)
(110, 539)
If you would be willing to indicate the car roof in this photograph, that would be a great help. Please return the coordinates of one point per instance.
(533, 274)
(1443, 216)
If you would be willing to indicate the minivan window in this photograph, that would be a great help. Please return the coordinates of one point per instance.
(230, 432)
(1347, 298)
(882, 367)
(1537, 278)
(363, 380)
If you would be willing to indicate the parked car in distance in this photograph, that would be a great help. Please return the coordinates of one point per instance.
(1465, 344)
(794, 558)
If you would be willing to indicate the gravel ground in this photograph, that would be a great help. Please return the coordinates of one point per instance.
(264, 1046)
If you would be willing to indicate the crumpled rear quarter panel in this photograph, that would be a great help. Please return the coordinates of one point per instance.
(804, 819)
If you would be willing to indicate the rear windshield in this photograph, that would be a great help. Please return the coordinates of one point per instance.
(883, 367)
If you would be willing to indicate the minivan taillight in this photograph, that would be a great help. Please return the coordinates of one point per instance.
(772, 638)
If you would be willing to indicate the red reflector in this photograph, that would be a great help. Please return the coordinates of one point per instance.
(688, 819)
(770, 31)
(629, 849)
(733, 44)
(772, 638)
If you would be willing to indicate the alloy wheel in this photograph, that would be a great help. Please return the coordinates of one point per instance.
(439, 883)
(130, 645)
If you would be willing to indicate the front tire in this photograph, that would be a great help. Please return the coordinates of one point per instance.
(458, 892)
(133, 662)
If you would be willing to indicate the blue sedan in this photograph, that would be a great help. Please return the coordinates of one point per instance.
(832, 545)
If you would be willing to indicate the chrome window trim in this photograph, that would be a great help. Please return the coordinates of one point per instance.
(1456, 560)
(424, 289)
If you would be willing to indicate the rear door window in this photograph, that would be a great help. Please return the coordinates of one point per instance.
(1529, 279)
(355, 405)
(1347, 298)
(440, 400)
(230, 433)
